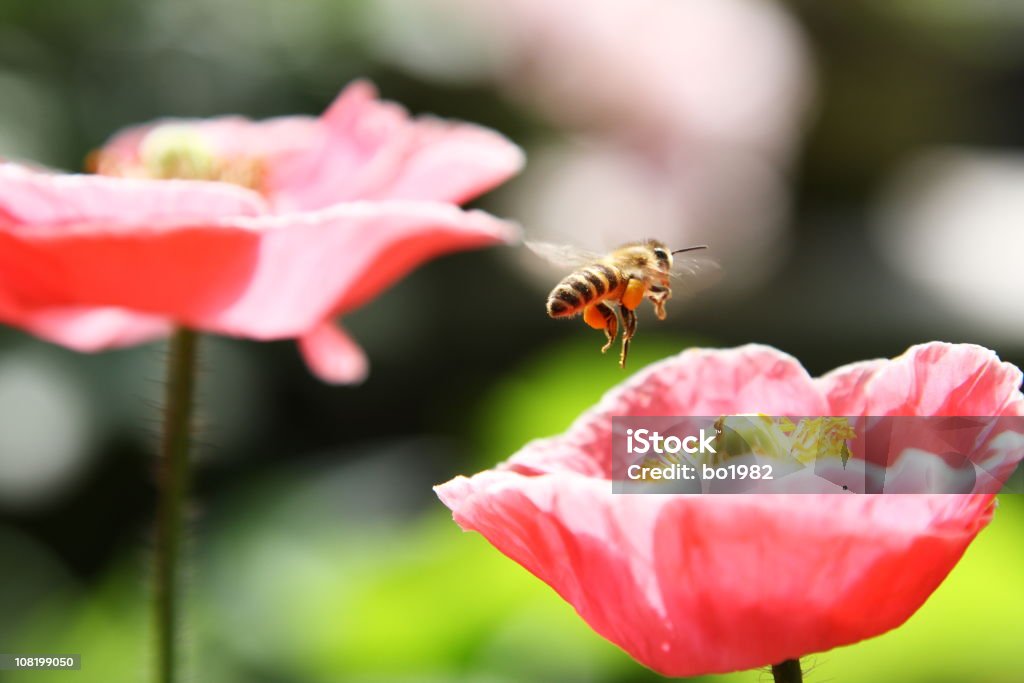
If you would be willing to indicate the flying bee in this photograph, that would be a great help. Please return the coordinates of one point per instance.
(626, 276)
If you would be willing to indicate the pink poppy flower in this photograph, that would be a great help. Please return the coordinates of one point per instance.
(692, 585)
(265, 230)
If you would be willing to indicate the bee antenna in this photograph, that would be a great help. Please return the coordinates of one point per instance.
(699, 246)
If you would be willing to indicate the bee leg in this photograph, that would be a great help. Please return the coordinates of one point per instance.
(659, 308)
(628, 330)
(659, 295)
(600, 316)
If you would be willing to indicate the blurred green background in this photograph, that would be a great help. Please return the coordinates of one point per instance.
(880, 208)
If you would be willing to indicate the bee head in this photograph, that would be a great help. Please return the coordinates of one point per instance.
(661, 254)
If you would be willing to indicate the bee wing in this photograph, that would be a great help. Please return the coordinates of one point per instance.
(691, 273)
(563, 255)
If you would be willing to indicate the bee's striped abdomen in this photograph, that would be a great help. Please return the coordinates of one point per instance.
(587, 285)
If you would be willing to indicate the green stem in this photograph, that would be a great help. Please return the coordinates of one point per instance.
(172, 485)
(788, 672)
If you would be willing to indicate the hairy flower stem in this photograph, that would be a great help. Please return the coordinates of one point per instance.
(788, 672)
(172, 491)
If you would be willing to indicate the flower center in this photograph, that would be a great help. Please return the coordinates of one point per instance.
(182, 151)
(778, 438)
(178, 151)
(766, 439)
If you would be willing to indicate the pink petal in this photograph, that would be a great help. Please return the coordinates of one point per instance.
(333, 356)
(699, 382)
(90, 329)
(845, 387)
(29, 197)
(95, 329)
(169, 271)
(929, 379)
(320, 265)
(369, 149)
(267, 277)
(691, 585)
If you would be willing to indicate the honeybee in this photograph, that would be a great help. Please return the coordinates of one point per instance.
(627, 275)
